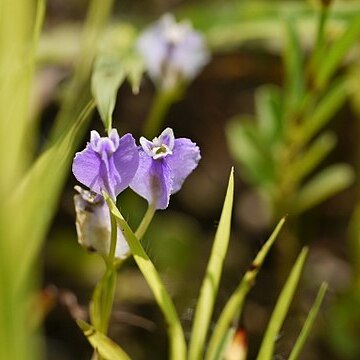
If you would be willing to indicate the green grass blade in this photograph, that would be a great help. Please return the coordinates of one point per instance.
(210, 285)
(305, 331)
(282, 306)
(20, 25)
(77, 93)
(48, 172)
(106, 348)
(233, 307)
(162, 297)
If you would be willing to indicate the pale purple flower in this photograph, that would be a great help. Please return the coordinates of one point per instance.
(93, 224)
(107, 163)
(172, 51)
(165, 162)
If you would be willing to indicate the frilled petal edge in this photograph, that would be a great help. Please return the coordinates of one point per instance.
(183, 160)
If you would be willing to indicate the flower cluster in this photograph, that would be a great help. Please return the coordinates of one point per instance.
(154, 170)
(173, 52)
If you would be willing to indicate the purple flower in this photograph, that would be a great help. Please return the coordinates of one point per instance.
(164, 164)
(172, 51)
(93, 224)
(107, 163)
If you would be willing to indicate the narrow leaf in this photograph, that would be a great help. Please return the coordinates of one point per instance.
(312, 157)
(210, 285)
(269, 112)
(325, 110)
(305, 331)
(247, 146)
(162, 297)
(323, 185)
(282, 306)
(48, 172)
(293, 60)
(335, 56)
(100, 312)
(233, 307)
(107, 77)
(106, 348)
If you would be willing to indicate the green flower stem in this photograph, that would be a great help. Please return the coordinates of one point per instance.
(107, 297)
(159, 108)
(78, 90)
(113, 240)
(104, 293)
(145, 222)
(162, 297)
(109, 279)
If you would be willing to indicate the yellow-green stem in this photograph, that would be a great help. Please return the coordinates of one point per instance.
(159, 108)
(145, 222)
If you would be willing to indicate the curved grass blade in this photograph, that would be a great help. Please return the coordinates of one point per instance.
(48, 172)
(162, 297)
(233, 307)
(282, 306)
(305, 331)
(106, 348)
(210, 285)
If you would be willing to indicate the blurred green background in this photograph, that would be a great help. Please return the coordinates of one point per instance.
(248, 40)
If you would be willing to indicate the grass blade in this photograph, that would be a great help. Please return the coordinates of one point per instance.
(162, 297)
(305, 331)
(107, 349)
(233, 307)
(48, 172)
(210, 285)
(282, 306)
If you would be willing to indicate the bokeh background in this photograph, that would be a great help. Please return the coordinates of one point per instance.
(247, 43)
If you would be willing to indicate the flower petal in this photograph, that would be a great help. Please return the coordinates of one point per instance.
(182, 162)
(167, 138)
(191, 55)
(153, 181)
(126, 162)
(86, 168)
(101, 169)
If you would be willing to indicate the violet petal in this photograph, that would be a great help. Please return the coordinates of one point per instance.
(153, 181)
(107, 164)
(182, 162)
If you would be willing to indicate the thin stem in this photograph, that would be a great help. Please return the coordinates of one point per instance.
(113, 239)
(145, 222)
(159, 108)
(108, 299)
